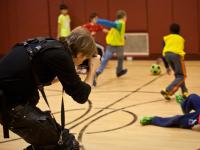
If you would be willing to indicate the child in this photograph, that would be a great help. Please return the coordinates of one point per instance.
(173, 52)
(190, 120)
(115, 41)
(92, 26)
(63, 22)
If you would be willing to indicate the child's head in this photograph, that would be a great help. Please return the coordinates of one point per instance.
(93, 17)
(63, 9)
(174, 28)
(121, 14)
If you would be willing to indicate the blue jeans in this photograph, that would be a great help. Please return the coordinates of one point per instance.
(119, 50)
(187, 120)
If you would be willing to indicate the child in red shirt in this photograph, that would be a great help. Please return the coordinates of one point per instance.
(92, 26)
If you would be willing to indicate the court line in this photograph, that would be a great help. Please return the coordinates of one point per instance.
(119, 100)
(80, 117)
(80, 135)
(153, 92)
(115, 110)
(122, 109)
(123, 91)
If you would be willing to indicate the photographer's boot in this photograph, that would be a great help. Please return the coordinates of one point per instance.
(30, 147)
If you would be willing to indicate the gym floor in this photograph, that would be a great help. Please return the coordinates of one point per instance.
(110, 119)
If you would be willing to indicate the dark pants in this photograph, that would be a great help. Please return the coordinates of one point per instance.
(178, 66)
(33, 125)
(187, 120)
(38, 128)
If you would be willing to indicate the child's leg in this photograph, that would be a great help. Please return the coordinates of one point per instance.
(183, 87)
(183, 121)
(166, 122)
(179, 72)
(108, 54)
(120, 58)
(191, 103)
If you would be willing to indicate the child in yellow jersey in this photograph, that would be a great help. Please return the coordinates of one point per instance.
(115, 41)
(173, 52)
(63, 22)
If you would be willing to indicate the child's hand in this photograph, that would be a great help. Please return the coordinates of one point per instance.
(158, 61)
(93, 33)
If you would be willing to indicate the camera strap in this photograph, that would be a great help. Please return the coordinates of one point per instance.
(32, 52)
(4, 113)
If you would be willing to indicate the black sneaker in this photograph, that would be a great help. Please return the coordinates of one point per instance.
(30, 147)
(121, 73)
(165, 94)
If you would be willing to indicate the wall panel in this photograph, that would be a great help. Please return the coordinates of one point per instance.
(185, 13)
(53, 9)
(159, 19)
(4, 38)
(21, 19)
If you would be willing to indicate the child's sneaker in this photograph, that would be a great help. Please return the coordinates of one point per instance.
(179, 99)
(165, 94)
(185, 95)
(122, 72)
(146, 120)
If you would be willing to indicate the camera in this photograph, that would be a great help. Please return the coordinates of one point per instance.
(84, 67)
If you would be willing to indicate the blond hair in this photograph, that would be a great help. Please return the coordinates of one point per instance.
(81, 41)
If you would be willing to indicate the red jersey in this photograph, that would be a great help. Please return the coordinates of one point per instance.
(93, 27)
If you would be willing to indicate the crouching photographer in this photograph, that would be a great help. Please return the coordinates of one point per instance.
(26, 69)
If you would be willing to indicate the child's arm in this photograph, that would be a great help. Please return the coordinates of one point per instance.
(166, 65)
(165, 62)
(59, 27)
(105, 30)
(162, 59)
(109, 24)
(58, 31)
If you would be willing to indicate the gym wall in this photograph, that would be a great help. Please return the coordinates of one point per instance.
(22, 19)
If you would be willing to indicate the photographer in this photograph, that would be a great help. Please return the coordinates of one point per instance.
(18, 75)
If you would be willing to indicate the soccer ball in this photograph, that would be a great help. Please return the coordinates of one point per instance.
(155, 69)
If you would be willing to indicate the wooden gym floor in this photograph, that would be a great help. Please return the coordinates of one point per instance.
(110, 119)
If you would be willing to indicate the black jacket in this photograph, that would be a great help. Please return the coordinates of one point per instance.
(18, 82)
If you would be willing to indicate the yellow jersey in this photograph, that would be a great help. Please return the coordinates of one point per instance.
(115, 37)
(64, 21)
(174, 43)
